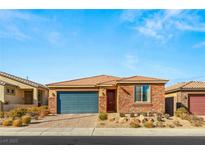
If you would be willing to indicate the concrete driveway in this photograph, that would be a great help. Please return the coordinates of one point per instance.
(66, 121)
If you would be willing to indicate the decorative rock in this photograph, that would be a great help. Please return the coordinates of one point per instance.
(123, 120)
(111, 119)
(141, 118)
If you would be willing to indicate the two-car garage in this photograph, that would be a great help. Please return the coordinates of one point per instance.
(69, 102)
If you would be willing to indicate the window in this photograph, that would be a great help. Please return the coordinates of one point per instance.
(142, 93)
(10, 91)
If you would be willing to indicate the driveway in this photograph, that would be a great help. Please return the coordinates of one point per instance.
(66, 121)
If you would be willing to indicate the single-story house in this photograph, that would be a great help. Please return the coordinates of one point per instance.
(190, 95)
(105, 93)
(16, 91)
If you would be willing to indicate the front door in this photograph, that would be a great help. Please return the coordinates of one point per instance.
(28, 97)
(111, 101)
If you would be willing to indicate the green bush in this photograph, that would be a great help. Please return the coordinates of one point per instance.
(103, 116)
(26, 119)
(143, 113)
(181, 112)
(122, 115)
(132, 115)
(134, 124)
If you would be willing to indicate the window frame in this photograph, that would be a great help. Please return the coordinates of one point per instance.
(9, 91)
(149, 94)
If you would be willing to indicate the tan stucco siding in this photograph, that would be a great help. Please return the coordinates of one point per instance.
(2, 98)
(18, 98)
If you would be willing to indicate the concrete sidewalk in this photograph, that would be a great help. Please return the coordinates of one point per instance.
(101, 132)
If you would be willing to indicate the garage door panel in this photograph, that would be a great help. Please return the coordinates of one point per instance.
(77, 102)
(197, 104)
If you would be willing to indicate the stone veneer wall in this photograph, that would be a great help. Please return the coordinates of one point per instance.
(52, 102)
(126, 102)
(102, 100)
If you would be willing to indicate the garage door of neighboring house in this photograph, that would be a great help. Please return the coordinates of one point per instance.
(169, 105)
(197, 104)
(77, 102)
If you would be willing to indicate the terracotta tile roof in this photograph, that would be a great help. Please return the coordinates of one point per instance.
(6, 83)
(22, 80)
(89, 81)
(191, 85)
(103, 80)
(141, 79)
(2, 83)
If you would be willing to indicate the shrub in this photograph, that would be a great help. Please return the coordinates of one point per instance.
(143, 113)
(144, 120)
(7, 122)
(134, 124)
(180, 112)
(132, 115)
(149, 124)
(26, 119)
(17, 123)
(18, 112)
(122, 115)
(2, 114)
(44, 110)
(103, 116)
(34, 111)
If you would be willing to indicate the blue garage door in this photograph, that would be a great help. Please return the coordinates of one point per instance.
(77, 102)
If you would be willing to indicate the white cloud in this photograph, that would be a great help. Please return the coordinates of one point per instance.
(10, 27)
(130, 15)
(131, 61)
(56, 38)
(199, 45)
(163, 25)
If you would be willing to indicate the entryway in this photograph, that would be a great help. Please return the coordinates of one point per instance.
(169, 106)
(111, 101)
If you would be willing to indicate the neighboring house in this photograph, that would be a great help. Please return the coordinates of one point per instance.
(15, 91)
(105, 93)
(186, 94)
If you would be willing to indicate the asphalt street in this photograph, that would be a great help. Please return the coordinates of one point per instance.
(102, 140)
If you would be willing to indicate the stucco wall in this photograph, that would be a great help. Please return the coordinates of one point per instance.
(18, 98)
(126, 103)
(2, 98)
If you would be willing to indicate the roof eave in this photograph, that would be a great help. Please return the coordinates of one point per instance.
(71, 86)
(144, 81)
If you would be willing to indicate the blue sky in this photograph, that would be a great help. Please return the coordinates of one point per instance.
(56, 45)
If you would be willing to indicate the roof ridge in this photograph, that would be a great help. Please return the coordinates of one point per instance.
(140, 76)
(21, 79)
(186, 83)
(81, 79)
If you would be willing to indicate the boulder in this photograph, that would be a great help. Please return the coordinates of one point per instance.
(123, 120)
(141, 118)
